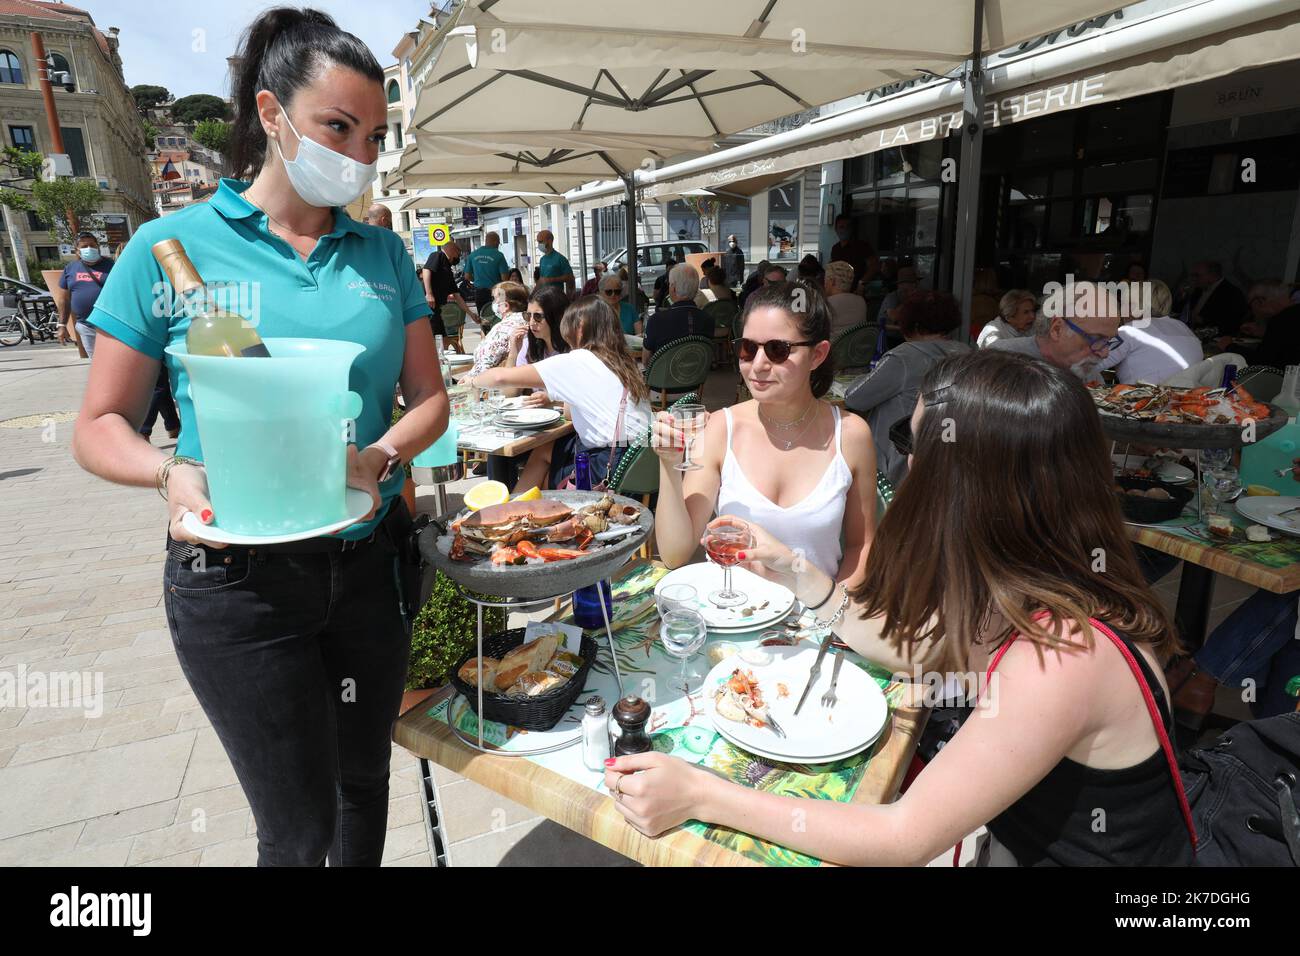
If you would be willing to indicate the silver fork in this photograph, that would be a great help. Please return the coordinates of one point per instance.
(828, 698)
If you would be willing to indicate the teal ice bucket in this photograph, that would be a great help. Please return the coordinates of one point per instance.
(275, 432)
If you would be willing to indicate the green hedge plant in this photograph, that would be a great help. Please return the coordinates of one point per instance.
(444, 630)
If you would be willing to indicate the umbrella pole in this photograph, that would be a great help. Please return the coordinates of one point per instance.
(968, 182)
(631, 288)
(582, 250)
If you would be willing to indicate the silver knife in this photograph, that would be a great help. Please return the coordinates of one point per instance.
(815, 672)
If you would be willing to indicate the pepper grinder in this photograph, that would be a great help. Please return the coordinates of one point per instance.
(631, 714)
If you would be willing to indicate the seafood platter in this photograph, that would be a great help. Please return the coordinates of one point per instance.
(545, 547)
(1184, 417)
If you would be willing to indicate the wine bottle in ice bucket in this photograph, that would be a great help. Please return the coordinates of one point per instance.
(213, 330)
(586, 601)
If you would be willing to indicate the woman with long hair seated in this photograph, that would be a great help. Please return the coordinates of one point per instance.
(539, 337)
(784, 460)
(600, 385)
(1005, 539)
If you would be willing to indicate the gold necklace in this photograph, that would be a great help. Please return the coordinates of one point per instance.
(786, 426)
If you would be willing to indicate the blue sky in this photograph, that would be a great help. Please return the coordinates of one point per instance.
(158, 41)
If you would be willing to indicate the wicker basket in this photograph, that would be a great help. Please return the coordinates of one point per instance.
(528, 713)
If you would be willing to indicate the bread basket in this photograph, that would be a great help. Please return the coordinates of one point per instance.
(1152, 510)
(528, 713)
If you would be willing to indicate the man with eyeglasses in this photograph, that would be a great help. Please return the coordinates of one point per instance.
(611, 293)
(1080, 344)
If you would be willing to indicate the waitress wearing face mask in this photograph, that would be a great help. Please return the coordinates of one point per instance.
(296, 652)
(83, 277)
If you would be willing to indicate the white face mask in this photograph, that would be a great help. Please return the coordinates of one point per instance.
(321, 176)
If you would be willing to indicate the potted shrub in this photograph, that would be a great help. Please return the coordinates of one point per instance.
(443, 632)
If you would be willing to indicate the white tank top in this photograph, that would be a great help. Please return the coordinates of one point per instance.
(814, 524)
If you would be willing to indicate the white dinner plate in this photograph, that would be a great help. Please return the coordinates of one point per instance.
(767, 601)
(1167, 470)
(357, 503)
(529, 417)
(817, 734)
(1266, 510)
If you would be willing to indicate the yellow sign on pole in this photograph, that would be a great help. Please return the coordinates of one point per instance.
(439, 235)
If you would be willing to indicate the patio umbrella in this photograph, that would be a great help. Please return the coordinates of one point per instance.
(452, 198)
(568, 68)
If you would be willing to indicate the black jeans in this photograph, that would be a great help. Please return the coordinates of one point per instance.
(299, 661)
(162, 403)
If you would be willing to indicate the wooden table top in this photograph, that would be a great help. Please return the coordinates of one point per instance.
(1279, 580)
(595, 815)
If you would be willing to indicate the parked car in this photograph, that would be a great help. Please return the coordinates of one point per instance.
(12, 291)
(650, 259)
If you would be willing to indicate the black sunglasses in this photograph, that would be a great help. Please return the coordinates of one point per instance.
(776, 350)
(535, 316)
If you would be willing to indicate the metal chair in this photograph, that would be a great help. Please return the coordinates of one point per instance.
(680, 366)
(722, 314)
(855, 347)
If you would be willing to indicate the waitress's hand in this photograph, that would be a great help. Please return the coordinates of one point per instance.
(187, 490)
(363, 474)
(538, 399)
(766, 554)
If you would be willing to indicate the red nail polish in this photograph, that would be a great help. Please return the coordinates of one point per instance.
(741, 556)
(205, 515)
(609, 762)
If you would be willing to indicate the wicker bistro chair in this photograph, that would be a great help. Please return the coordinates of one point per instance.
(855, 347)
(453, 319)
(637, 474)
(680, 366)
(723, 314)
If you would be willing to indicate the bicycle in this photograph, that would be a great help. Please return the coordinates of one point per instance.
(33, 323)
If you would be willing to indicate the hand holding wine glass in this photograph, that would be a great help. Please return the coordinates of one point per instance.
(690, 420)
(724, 542)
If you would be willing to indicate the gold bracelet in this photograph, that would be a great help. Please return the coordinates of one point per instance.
(165, 469)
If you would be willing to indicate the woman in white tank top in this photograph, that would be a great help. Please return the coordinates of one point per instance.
(785, 461)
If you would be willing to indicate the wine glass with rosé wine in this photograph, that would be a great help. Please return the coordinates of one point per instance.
(723, 544)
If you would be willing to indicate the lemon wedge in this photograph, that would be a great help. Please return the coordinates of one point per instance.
(532, 494)
(1253, 490)
(487, 493)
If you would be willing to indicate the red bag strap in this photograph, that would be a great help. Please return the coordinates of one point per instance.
(1165, 745)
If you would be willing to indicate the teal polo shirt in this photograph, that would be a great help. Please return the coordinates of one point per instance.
(628, 317)
(487, 267)
(554, 266)
(358, 285)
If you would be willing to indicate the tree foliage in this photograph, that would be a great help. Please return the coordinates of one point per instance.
(51, 202)
(189, 110)
(147, 96)
(213, 133)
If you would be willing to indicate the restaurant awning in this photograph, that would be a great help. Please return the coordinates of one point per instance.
(452, 198)
(1157, 53)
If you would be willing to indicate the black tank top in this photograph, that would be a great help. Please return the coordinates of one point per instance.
(1082, 816)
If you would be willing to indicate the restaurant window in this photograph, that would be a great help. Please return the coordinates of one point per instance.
(733, 220)
(895, 198)
(783, 222)
(683, 221)
(11, 69)
(23, 137)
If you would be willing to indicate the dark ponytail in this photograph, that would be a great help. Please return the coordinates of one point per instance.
(282, 50)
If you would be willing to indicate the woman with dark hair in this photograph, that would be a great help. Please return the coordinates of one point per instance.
(888, 392)
(539, 337)
(600, 384)
(988, 553)
(297, 652)
(785, 459)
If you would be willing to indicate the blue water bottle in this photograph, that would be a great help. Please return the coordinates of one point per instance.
(586, 601)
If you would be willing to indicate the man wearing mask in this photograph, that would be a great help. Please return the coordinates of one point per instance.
(733, 262)
(486, 267)
(440, 284)
(83, 277)
(554, 268)
(856, 252)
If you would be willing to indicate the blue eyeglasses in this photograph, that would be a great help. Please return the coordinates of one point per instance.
(1096, 343)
